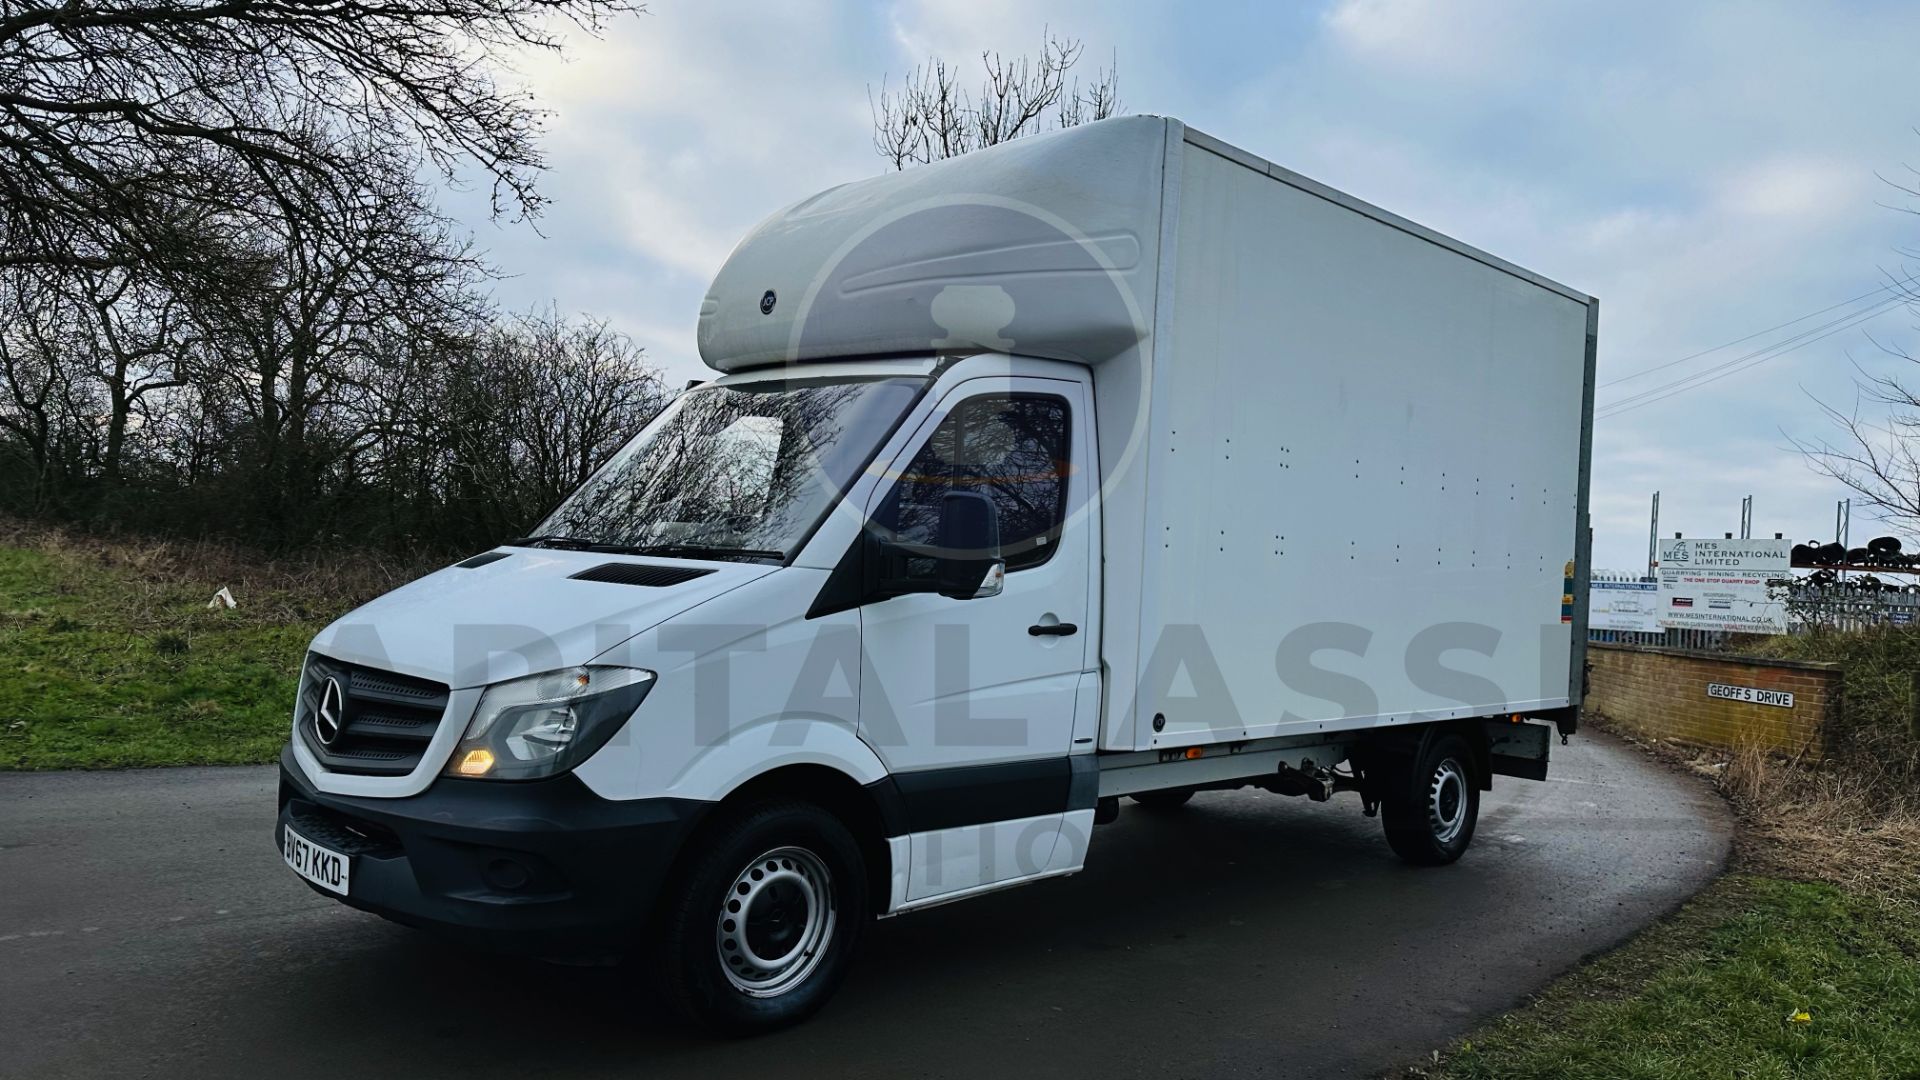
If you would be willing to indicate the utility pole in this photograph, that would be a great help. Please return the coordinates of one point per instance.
(1842, 527)
(1653, 539)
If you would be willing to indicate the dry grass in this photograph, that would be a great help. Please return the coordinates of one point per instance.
(149, 571)
(1846, 821)
(1874, 741)
(1853, 818)
(1839, 823)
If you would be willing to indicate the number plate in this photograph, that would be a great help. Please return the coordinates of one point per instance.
(328, 869)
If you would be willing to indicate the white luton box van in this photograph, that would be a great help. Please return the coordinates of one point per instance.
(1111, 462)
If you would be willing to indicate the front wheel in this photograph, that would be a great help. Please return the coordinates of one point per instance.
(1430, 804)
(762, 925)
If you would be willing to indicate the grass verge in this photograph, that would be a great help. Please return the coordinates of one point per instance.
(1803, 962)
(1756, 977)
(112, 658)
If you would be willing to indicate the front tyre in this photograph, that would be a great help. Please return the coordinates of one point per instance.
(763, 920)
(1431, 804)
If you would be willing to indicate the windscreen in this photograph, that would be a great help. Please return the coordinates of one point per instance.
(745, 470)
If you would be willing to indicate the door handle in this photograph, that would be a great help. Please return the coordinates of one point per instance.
(1061, 629)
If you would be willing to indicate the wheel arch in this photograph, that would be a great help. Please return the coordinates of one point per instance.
(862, 809)
(1412, 742)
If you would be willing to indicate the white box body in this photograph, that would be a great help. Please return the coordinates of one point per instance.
(1343, 458)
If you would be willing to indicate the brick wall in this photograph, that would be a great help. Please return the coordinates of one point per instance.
(1662, 693)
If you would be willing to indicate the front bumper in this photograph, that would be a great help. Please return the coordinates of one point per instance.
(542, 867)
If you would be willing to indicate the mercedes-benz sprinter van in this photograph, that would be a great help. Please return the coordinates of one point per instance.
(1111, 462)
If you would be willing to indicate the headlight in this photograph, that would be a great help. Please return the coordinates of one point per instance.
(545, 724)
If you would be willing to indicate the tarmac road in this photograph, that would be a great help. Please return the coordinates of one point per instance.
(148, 928)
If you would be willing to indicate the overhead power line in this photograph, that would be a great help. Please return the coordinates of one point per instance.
(1902, 283)
(1767, 352)
(1749, 360)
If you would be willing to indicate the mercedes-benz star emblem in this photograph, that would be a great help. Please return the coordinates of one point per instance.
(326, 721)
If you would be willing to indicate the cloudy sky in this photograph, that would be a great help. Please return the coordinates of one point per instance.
(1707, 170)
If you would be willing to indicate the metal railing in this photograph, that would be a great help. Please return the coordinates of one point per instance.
(1845, 607)
(1691, 637)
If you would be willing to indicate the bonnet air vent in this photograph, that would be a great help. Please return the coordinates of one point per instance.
(622, 573)
(482, 559)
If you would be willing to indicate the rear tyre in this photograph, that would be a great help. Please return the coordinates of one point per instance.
(761, 924)
(1162, 802)
(1431, 804)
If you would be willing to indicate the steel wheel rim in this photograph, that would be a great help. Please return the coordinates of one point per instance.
(1447, 801)
(775, 922)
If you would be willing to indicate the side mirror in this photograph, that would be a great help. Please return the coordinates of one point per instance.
(969, 563)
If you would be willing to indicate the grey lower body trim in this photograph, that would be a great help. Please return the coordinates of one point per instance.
(932, 799)
(1131, 773)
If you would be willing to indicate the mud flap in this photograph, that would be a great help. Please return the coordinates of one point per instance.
(1518, 749)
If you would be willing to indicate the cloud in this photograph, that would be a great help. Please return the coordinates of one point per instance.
(1707, 170)
(960, 30)
(1479, 40)
(670, 137)
(1801, 193)
(1648, 159)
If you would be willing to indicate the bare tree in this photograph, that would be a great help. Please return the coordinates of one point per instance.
(136, 132)
(316, 351)
(227, 302)
(133, 341)
(931, 116)
(46, 405)
(1875, 450)
(531, 411)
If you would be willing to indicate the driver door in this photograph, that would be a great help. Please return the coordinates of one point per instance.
(970, 702)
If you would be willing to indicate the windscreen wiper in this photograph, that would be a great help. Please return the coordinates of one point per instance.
(574, 543)
(695, 551)
(571, 543)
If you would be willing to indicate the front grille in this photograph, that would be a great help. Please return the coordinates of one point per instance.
(338, 832)
(385, 719)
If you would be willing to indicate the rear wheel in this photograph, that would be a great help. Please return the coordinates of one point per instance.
(1161, 802)
(763, 921)
(1430, 804)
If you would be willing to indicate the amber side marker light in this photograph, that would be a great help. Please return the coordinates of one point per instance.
(1195, 752)
(478, 762)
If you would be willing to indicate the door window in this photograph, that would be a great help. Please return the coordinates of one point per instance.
(1012, 448)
